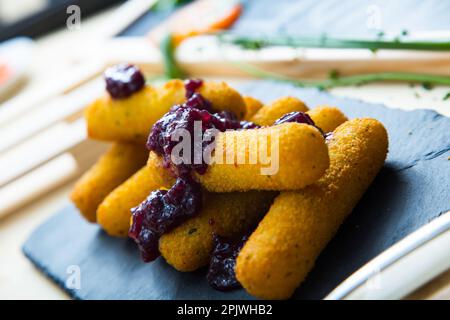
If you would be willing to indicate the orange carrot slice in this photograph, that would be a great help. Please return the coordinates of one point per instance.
(197, 18)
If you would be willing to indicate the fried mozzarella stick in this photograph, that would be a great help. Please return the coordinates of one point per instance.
(188, 247)
(131, 119)
(282, 250)
(327, 118)
(271, 112)
(114, 167)
(114, 214)
(252, 105)
(283, 157)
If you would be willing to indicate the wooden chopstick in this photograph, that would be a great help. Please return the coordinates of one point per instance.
(43, 147)
(50, 175)
(53, 111)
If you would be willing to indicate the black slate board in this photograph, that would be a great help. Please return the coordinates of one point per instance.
(412, 189)
(341, 18)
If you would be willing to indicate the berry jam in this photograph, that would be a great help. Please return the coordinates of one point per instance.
(299, 117)
(123, 80)
(221, 275)
(191, 85)
(164, 210)
(296, 116)
(183, 117)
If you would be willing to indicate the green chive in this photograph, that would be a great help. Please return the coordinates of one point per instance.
(253, 42)
(354, 80)
(171, 68)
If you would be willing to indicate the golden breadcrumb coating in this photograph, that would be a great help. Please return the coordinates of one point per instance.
(188, 247)
(113, 168)
(271, 112)
(252, 105)
(114, 213)
(223, 97)
(327, 118)
(282, 250)
(131, 119)
(302, 159)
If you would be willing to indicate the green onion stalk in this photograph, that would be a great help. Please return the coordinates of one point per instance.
(341, 81)
(255, 42)
(171, 68)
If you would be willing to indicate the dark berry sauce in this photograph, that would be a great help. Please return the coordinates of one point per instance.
(123, 80)
(221, 275)
(299, 117)
(183, 117)
(164, 210)
(191, 86)
(296, 116)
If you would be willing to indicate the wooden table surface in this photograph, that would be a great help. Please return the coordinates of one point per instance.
(18, 277)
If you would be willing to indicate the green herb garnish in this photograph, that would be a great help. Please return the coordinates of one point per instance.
(427, 85)
(334, 74)
(323, 41)
(171, 68)
(354, 80)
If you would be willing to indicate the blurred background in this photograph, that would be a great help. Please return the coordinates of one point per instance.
(53, 53)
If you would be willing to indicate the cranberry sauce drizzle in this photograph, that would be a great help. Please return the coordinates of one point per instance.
(164, 210)
(221, 275)
(191, 85)
(299, 117)
(183, 117)
(123, 80)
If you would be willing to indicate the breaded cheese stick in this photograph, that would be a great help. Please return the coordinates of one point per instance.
(252, 105)
(327, 118)
(282, 250)
(299, 158)
(114, 214)
(188, 247)
(114, 167)
(271, 112)
(130, 120)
